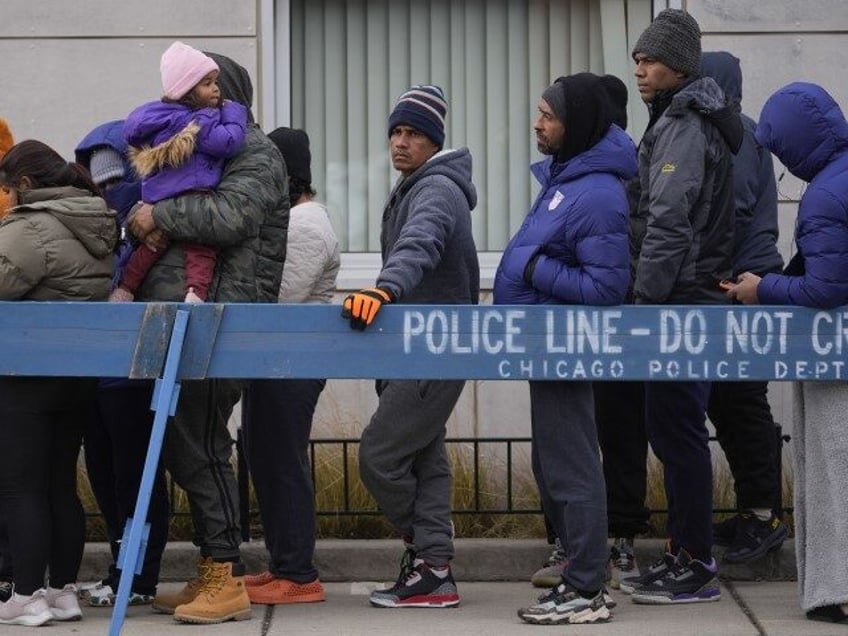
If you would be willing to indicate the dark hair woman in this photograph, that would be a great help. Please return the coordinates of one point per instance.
(55, 244)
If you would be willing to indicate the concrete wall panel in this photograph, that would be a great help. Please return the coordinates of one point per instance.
(769, 15)
(152, 18)
(71, 85)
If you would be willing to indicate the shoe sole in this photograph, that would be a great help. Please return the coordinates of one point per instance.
(627, 588)
(773, 543)
(551, 618)
(287, 600)
(546, 582)
(615, 583)
(30, 620)
(680, 600)
(412, 602)
(241, 615)
(66, 616)
(582, 617)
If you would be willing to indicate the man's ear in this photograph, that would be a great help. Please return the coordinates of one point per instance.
(680, 76)
(25, 184)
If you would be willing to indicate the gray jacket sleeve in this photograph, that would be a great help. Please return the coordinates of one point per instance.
(432, 213)
(676, 178)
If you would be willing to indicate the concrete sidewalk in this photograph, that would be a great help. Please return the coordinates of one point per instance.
(492, 576)
(746, 609)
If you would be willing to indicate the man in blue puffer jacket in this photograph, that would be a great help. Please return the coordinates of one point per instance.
(572, 248)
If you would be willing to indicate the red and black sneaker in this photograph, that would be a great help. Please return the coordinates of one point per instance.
(419, 585)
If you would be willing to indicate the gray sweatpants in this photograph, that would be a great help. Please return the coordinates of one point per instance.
(197, 451)
(404, 464)
(567, 467)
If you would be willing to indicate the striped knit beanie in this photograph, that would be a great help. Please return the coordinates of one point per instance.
(422, 107)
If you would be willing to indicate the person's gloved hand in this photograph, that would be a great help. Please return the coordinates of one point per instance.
(362, 306)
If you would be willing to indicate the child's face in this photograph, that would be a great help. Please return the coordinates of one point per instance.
(206, 92)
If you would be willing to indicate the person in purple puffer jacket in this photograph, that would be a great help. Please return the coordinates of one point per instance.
(179, 144)
(804, 127)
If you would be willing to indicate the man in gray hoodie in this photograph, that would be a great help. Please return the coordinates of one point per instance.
(429, 256)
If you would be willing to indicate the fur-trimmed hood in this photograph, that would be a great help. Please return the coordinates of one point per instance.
(173, 152)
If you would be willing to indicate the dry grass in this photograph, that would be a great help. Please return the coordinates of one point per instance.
(330, 496)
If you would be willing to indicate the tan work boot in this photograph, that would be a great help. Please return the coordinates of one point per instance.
(222, 597)
(167, 603)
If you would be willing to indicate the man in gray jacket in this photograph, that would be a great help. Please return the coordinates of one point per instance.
(682, 241)
(429, 256)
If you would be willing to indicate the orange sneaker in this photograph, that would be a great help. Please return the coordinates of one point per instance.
(255, 580)
(283, 591)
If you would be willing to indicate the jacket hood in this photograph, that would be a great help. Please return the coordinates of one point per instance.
(109, 134)
(234, 82)
(706, 98)
(85, 216)
(725, 69)
(146, 122)
(614, 154)
(453, 164)
(803, 126)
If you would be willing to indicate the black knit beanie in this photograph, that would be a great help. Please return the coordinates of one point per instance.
(581, 102)
(673, 38)
(293, 144)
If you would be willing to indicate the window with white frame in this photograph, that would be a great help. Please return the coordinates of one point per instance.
(350, 59)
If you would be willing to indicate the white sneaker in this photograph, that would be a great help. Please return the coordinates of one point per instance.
(30, 611)
(64, 603)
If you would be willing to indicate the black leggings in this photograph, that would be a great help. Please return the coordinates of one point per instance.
(41, 424)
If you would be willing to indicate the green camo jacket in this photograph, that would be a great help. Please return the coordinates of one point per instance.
(246, 218)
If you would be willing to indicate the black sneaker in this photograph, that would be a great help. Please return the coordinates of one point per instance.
(828, 614)
(755, 538)
(656, 571)
(690, 581)
(418, 586)
(725, 531)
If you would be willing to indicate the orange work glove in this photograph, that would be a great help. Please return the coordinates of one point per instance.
(362, 306)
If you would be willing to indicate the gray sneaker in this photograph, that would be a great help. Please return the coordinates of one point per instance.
(622, 562)
(550, 574)
(563, 604)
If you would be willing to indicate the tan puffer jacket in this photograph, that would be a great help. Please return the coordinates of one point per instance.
(57, 245)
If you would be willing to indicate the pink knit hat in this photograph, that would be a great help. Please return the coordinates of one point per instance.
(182, 67)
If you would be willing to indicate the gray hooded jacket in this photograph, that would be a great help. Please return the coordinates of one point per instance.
(429, 254)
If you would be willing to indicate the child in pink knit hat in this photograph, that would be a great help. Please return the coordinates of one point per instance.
(180, 144)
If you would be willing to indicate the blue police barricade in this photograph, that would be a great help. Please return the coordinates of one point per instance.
(172, 342)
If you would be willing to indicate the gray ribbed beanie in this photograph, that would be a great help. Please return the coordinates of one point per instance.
(673, 38)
